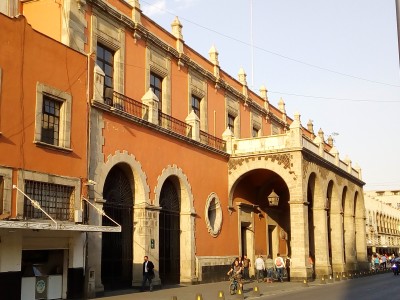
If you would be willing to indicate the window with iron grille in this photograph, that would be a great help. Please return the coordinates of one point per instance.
(156, 86)
(196, 105)
(50, 120)
(105, 60)
(57, 200)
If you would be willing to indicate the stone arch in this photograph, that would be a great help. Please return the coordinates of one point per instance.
(187, 220)
(141, 189)
(276, 164)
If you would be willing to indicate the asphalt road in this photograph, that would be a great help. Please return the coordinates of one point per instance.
(380, 287)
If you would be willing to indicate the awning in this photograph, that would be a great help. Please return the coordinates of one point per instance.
(58, 225)
(44, 225)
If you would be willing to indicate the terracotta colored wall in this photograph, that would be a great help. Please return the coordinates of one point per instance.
(28, 57)
(206, 171)
(44, 16)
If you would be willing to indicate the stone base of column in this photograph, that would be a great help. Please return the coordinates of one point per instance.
(338, 267)
(299, 274)
(323, 271)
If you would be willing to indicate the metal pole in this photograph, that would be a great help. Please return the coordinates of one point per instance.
(398, 25)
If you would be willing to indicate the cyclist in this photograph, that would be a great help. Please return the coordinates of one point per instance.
(236, 271)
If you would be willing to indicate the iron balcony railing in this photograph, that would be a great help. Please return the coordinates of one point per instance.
(212, 141)
(126, 104)
(120, 102)
(174, 125)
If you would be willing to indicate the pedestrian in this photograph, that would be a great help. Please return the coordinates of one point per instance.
(288, 263)
(384, 259)
(246, 266)
(279, 265)
(260, 267)
(148, 273)
(269, 266)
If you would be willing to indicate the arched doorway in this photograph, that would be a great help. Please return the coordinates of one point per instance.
(169, 234)
(117, 253)
(264, 228)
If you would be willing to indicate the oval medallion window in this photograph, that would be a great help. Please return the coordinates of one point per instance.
(213, 214)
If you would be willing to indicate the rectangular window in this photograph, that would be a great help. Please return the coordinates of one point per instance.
(57, 200)
(50, 120)
(105, 60)
(254, 132)
(231, 123)
(196, 105)
(156, 86)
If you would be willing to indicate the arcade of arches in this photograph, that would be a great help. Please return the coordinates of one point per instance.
(313, 202)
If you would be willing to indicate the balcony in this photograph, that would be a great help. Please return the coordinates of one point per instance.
(138, 111)
(287, 142)
(212, 141)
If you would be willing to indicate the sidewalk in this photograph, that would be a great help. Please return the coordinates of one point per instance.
(208, 291)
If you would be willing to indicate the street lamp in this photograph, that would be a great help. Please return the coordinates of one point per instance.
(273, 199)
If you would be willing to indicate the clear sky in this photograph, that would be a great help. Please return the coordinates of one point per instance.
(333, 61)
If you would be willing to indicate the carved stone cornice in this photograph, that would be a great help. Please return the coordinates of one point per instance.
(326, 166)
(283, 159)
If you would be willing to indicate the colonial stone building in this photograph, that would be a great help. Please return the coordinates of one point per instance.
(196, 167)
(382, 221)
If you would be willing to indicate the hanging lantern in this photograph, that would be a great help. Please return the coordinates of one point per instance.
(273, 199)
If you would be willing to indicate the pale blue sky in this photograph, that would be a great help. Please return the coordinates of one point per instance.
(339, 52)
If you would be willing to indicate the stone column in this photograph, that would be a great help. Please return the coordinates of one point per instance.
(349, 242)
(322, 263)
(337, 241)
(299, 242)
(146, 228)
(187, 240)
(361, 243)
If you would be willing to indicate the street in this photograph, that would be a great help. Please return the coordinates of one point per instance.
(380, 286)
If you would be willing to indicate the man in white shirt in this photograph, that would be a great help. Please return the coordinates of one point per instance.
(260, 267)
(279, 265)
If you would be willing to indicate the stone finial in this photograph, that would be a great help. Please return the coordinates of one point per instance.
(136, 12)
(296, 122)
(334, 151)
(213, 54)
(264, 93)
(177, 28)
(151, 100)
(281, 105)
(310, 126)
(330, 140)
(177, 32)
(321, 134)
(242, 76)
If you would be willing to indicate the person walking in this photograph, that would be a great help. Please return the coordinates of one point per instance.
(148, 273)
(279, 265)
(288, 263)
(260, 267)
(269, 266)
(246, 266)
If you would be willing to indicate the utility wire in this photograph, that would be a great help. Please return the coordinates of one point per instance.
(274, 53)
